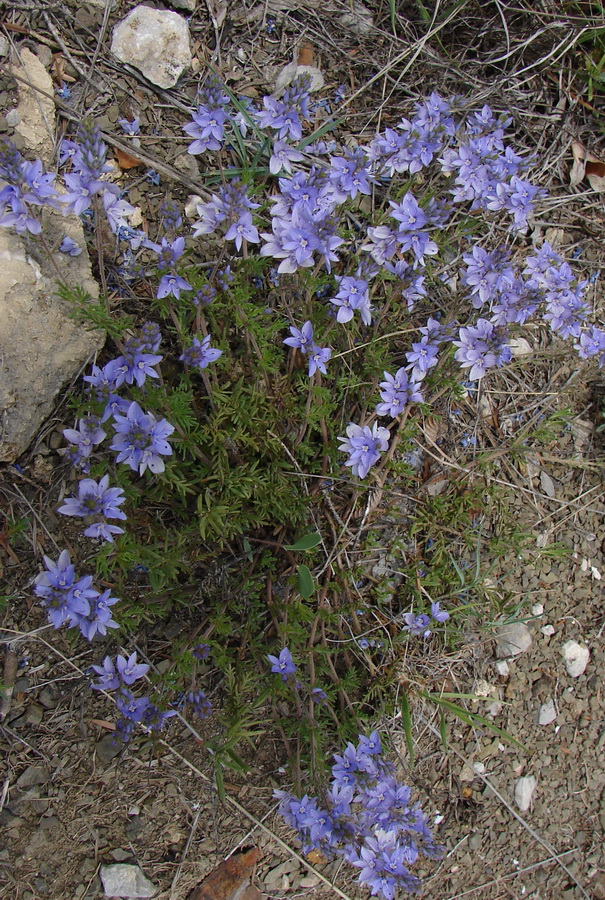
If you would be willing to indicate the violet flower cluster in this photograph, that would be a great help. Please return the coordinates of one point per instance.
(367, 818)
(419, 624)
(97, 502)
(27, 189)
(140, 439)
(73, 601)
(119, 676)
(302, 339)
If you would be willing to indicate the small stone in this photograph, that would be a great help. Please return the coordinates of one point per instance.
(547, 713)
(309, 881)
(120, 855)
(502, 668)
(187, 5)
(512, 639)
(548, 630)
(107, 748)
(188, 165)
(191, 206)
(155, 41)
(524, 789)
(4, 48)
(32, 775)
(537, 609)
(126, 881)
(576, 658)
(359, 19)
(13, 118)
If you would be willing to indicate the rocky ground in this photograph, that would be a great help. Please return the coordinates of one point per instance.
(519, 821)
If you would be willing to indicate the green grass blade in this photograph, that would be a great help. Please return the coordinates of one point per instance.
(407, 726)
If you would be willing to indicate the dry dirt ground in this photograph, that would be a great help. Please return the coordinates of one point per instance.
(68, 803)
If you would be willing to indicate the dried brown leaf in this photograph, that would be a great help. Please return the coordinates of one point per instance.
(125, 160)
(586, 165)
(227, 878)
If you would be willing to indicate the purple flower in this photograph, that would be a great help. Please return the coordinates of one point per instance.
(283, 664)
(592, 343)
(109, 680)
(242, 230)
(421, 358)
(438, 614)
(199, 703)
(95, 498)
(397, 391)
(282, 157)
(200, 354)
(132, 708)
(301, 338)
(417, 624)
(98, 620)
(318, 357)
(129, 669)
(172, 284)
(127, 127)
(364, 446)
(85, 437)
(353, 294)
(69, 247)
(140, 440)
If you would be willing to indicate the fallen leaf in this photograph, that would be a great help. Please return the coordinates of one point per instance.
(227, 878)
(586, 165)
(548, 485)
(316, 858)
(305, 55)
(126, 161)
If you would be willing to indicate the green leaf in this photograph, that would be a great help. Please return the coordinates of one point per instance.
(472, 718)
(306, 542)
(443, 729)
(306, 585)
(407, 726)
(220, 784)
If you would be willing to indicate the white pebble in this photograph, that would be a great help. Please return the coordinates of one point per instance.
(524, 789)
(576, 658)
(547, 713)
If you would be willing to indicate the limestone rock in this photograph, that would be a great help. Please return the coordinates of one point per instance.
(576, 658)
(547, 713)
(41, 347)
(187, 5)
(512, 639)
(126, 881)
(155, 41)
(36, 111)
(524, 790)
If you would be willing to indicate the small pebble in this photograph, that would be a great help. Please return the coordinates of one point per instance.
(576, 658)
(524, 789)
(547, 713)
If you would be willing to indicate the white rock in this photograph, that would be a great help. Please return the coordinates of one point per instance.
(520, 347)
(548, 630)
(155, 41)
(512, 639)
(287, 75)
(191, 206)
(359, 20)
(41, 346)
(4, 47)
(37, 111)
(502, 668)
(13, 118)
(537, 609)
(547, 713)
(576, 658)
(126, 881)
(524, 789)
